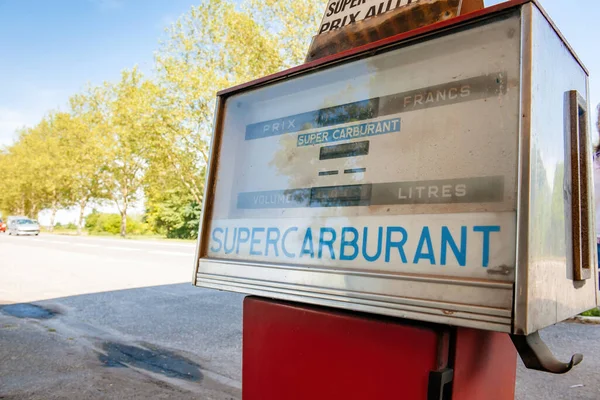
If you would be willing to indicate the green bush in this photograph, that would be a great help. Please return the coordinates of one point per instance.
(98, 222)
(109, 223)
(175, 216)
(594, 312)
(91, 221)
(70, 226)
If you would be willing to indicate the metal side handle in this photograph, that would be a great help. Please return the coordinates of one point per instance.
(580, 187)
(536, 355)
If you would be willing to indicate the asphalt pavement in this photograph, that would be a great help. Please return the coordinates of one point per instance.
(50, 266)
(104, 318)
(110, 318)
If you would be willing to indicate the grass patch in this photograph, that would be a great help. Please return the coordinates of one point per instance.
(63, 231)
(148, 236)
(594, 312)
(159, 237)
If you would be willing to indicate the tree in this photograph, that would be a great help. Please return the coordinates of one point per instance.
(170, 209)
(12, 200)
(53, 167)
(86, 141)
(203, 55)
(293, 23)
(174, 214)
(36, 170)
(23, 196)
(129, 117)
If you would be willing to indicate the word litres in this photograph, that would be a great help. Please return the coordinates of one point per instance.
(433, 191)
(391, 244)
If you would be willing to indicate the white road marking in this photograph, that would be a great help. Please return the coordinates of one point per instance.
(171, 253)
(120, 248)
(135, 241)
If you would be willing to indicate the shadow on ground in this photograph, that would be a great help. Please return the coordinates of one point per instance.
(150, 358)
(171, 341)
(27, 310)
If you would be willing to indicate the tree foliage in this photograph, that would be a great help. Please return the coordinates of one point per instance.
(293, 23)
(128, 120)
(147, 139)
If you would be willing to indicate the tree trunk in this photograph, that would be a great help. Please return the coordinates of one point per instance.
(124, 222)
(52, 217)
(33, 211)
(21, 210)
(82, 205)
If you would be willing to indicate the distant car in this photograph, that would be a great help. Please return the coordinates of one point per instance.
(23, 226)
(2, 226)
(11, 218)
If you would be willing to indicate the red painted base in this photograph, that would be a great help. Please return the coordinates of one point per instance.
(295, 351)
(485, 365)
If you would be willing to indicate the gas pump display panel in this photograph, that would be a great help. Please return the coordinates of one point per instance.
(370, 165)
(384, 184)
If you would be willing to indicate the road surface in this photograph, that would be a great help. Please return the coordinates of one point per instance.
(113, 303)
(118, 319)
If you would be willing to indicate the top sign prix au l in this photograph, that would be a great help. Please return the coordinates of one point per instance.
(340, 13)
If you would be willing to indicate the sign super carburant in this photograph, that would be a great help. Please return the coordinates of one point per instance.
(340, 13)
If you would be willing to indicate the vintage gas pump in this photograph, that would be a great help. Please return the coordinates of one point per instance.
(408, 214)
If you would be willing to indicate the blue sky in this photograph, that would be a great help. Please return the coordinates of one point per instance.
(50, 49)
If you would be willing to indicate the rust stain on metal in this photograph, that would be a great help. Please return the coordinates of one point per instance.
(392, 23)
(501, 270)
